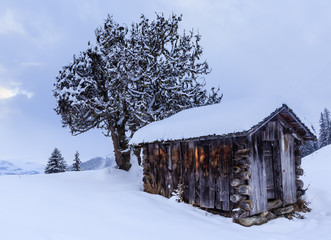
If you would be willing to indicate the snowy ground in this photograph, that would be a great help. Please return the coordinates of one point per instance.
(109, 204)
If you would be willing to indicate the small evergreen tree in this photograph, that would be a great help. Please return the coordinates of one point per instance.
(178, 193)
(56, 163)
(77, 162)
(310, 146)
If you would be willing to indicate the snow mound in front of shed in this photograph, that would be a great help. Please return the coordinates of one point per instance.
(317, 167)
(110, 204)
(218, 119)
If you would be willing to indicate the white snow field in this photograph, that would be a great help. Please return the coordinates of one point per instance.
(110, 204)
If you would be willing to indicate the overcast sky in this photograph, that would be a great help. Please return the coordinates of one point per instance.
(256, 49)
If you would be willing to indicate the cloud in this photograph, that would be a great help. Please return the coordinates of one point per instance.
(30, 64)
(3, 70)
(38, 28)
(6, 93)
(10, 88)
(10, 24)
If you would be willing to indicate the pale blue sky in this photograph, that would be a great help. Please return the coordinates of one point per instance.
(256, 49)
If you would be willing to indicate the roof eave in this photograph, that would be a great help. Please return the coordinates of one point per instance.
(309, 136)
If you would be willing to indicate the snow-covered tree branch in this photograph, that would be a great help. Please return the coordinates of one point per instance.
(131, 77)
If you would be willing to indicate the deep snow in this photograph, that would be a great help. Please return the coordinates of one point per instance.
(217, 119)
(110, 204)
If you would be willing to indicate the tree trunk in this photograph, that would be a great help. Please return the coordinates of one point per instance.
(121, 148)
(136, 152)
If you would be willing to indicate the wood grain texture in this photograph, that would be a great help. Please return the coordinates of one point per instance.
(258, 176)
(227, 172)
(191, 165)
(288, 169)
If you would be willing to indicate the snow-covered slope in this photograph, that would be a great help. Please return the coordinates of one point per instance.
(317, 167)
(110, 204)
(9, 168)
(96, 163)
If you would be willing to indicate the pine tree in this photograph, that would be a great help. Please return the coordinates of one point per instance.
(131, 77)
(325, 129)
(328, 124)
(56, 163)
(308, 148)
(77, 162)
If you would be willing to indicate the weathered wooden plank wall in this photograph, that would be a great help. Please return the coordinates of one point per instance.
(225, 166)
(288, 168)
(277, 170)
(186, 170)
(252, 170)
(191, 166)
(257, 181)
(204, 169)
(271, 156)
(268, 158)
(272, 166)
(176, 166)
(216, 173)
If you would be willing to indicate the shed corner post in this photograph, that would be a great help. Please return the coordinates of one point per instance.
(298, 170)
(241, 181)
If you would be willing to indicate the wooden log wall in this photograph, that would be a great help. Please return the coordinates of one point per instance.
(298, 170)
(203, 167)
(242, 189)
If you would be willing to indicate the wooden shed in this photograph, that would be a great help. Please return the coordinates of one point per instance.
(240, 173)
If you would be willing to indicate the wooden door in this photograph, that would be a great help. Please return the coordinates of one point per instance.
(288, 168)
(272, 165)
(269, 169)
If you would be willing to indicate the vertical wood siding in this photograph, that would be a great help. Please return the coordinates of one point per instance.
(258, 175)
(272, 167)
(288, 169)
(203, 167)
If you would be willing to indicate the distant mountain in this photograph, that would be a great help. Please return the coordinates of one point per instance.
(96, 163)
(29, 168)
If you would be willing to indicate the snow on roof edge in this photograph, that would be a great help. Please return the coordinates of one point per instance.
(200, 122)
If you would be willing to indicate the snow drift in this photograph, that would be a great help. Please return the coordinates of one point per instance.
(110, 204)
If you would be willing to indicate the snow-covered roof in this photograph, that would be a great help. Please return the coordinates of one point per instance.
(225, 118)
